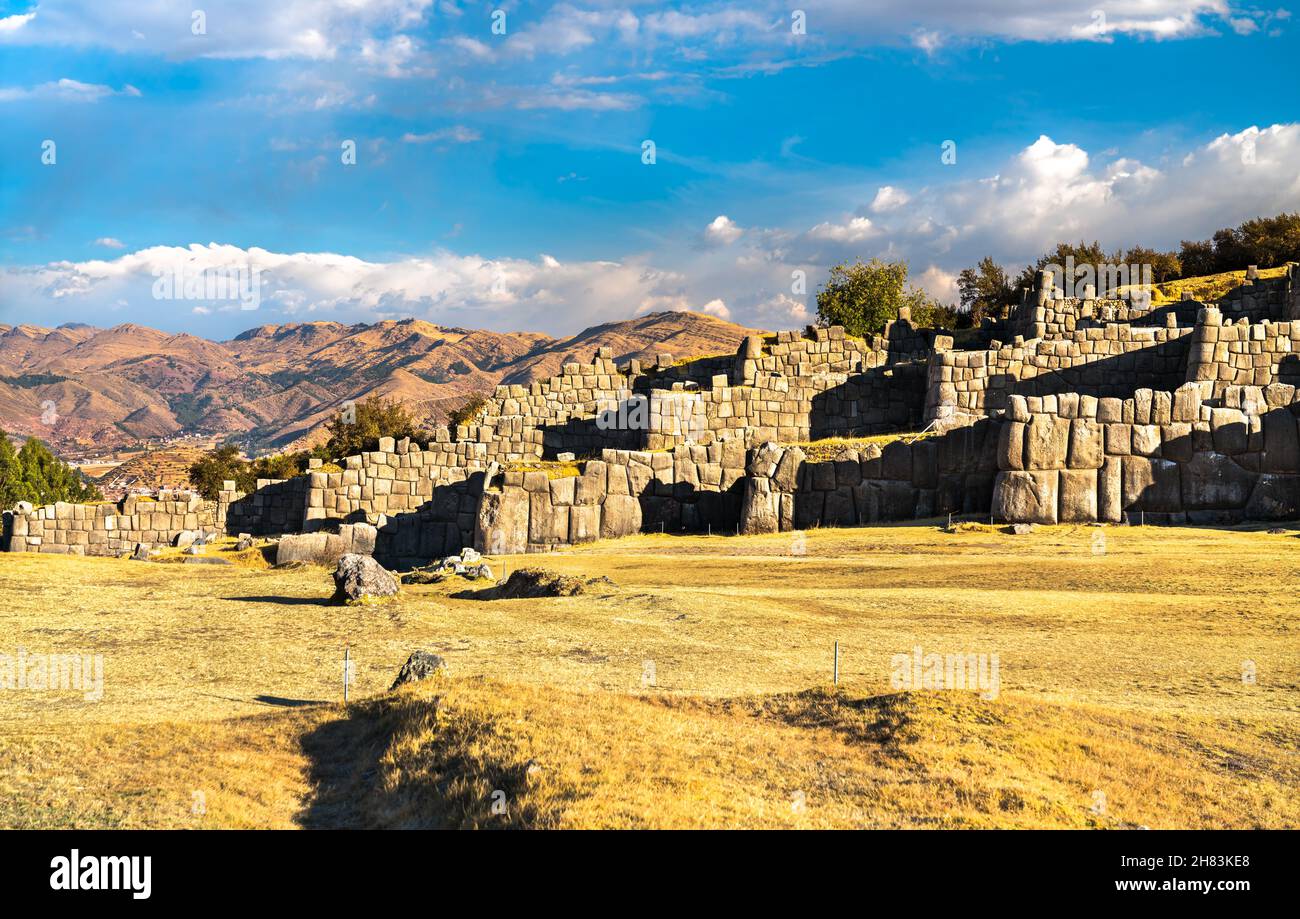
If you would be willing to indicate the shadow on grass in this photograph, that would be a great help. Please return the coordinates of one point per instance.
(284, 601)
(399, 762)
(288, 703)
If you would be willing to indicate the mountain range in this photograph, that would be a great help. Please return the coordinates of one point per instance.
(275, 386)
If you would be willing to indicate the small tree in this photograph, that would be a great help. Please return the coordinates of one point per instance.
(862, 297)
(222, 464)
(467, 410)
(984, 290)
(374, 418)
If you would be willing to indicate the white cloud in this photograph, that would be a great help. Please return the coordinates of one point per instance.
(466, 290)
(65, 90)
(235, 29)
(11, 24)
(722, 230)
(457, 134)
(1047, 192)
(854, 230)
(716, 307)
(109, 242)
(889, 198)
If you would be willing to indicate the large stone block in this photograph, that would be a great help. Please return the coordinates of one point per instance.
(1151, 485)
(839, 510)
(787, 470)
(759, 508)
(1281, 443)
(1078, 489)
(620, 516)
(501, 525)
(1011, 445)
(1047, 441)
(1275, 497)
(1110, 490)
(1231, 431)
(1213, 481)
(584, 523)
(591, 484)
(1026, 497)
(1087, 450)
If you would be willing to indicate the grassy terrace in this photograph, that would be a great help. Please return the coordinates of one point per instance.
(1120, 672)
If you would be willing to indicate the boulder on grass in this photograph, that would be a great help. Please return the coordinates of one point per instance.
(360, 577)
(536, 582)
(419, 666)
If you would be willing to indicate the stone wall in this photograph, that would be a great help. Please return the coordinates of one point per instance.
(691, 488)
(794, 386)
(1168, 457)
(108, 529)
(276, 506)
(1227, 353)
(1111, 360)
(906, 480)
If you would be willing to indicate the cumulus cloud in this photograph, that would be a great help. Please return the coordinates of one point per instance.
(1051, 190)
(109, 242)
(888, 198)
(469, 290)
(722, 230)
(853, 230)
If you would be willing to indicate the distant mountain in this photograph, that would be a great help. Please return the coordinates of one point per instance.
(275, 385)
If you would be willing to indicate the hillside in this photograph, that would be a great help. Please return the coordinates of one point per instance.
(276, 385)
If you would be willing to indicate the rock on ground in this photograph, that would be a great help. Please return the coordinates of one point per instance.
(419, 666)
(538, 582)
(360, 577)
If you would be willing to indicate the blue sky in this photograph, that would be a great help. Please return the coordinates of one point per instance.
(499, 179)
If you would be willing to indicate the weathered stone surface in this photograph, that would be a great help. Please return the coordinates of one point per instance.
(1047, 441)
(759, 507)
(360, 577)
(421, 665)
(620, 516)
(1110, 490)
(584, 523)
(1151, 485)
(501, 527)
(1146, 440)
(1214, 481)
(1086, 444)
(1026, 497)
(1078, 499)
(310, 548)
(1281, 443)
(1275, 497)
(787, 470)
(766, 457)
(1230, 430)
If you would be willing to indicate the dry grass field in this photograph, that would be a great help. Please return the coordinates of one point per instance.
(695, 690)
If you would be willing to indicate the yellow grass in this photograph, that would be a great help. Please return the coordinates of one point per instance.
(832, 447)
(1206, 287)
(1121, 673)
